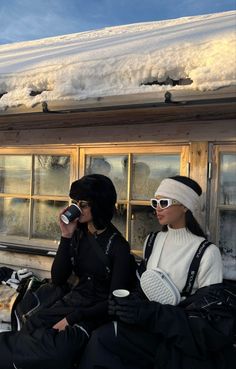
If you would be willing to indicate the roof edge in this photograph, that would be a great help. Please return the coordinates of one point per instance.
(171, 96)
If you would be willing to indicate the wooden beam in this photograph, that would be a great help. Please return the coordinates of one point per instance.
(125, 117)
(198, 171)
(222, 130)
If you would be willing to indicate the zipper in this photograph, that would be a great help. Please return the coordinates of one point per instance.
(30, 312)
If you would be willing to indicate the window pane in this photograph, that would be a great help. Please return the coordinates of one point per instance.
(228, 179)
(227, 242)
(119, 218)
(115, 167)
(51, 175)
(46, 219)
(149, 170)
(143, 221)
(14, 216)
(15, 174)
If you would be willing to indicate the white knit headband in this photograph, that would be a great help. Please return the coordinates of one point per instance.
(178, 191)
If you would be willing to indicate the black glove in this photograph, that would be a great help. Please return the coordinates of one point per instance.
(127, 310)
(112, 305)
(113, 302)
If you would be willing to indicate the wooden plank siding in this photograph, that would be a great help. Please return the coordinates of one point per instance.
(39, 265)
(198, 125)
(164, 113)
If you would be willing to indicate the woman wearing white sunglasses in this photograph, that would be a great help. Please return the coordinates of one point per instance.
(156, 334)
(176, 201)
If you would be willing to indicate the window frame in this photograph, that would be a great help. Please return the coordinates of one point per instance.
(28, 242)
(77, 169)
(215, 207)
(130, 150)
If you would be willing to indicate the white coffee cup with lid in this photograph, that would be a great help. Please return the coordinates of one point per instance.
(120, 293)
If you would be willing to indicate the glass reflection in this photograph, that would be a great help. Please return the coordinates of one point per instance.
(51, 175)
(143, 221)
(228, 179)
(149, 170)
(119, 218)
(14, 216)
(227, 243)
(46, 219)
(115, 167)
(228, 232)
(15, 174)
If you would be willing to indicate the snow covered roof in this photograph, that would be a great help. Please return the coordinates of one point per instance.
(196, 53)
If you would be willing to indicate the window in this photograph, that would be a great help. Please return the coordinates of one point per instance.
(136, 173)
(34, 186)
(33, 190)
(223, 207)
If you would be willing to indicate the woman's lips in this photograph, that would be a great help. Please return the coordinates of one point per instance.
(160, 217)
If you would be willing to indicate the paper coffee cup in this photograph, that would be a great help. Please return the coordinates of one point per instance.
(72, 212)
(120, 293)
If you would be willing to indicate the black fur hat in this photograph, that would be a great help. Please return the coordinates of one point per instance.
(100, 192)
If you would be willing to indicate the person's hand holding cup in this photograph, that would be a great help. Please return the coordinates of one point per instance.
(126, 307)
(115, 298)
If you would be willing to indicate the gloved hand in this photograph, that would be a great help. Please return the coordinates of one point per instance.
(126, 309)
(12, 282)
(16, 277)
(112, 305)
(21, 274)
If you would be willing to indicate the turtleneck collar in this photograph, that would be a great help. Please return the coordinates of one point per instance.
(180, 235)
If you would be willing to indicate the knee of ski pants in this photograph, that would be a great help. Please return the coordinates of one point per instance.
(49, 348)
(96, 354)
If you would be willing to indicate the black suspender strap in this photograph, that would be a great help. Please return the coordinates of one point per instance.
(148, 250)
(194, 266)
(101, 255)
(149, 246)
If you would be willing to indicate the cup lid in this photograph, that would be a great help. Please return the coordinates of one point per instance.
(120, 293)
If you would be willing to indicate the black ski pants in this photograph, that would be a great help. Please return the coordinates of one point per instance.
(44, 348)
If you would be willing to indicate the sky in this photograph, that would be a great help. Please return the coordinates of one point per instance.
(23, 20)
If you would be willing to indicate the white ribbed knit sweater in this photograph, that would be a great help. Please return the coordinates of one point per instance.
(173, 252)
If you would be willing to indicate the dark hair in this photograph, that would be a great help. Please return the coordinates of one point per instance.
(100, 192)
(191, 223)
(188, 182)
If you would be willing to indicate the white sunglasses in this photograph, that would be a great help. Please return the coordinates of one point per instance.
(163, 203)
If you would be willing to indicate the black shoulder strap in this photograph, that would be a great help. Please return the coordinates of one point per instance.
(148, 250)
(193, 269)
(101, 255)
(149, 246)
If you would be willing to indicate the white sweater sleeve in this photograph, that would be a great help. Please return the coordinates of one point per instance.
(211, 268)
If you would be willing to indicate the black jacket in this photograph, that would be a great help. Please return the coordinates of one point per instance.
(199, 333)
(78, 255)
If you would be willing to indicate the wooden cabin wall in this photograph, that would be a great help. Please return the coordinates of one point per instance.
(219, 131)
(39, 265)
(148, 130)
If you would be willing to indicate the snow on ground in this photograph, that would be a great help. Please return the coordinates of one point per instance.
(118, 60)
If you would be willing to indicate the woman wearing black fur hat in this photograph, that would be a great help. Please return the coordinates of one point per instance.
(153, 333)
(95, 194)
(93, 250)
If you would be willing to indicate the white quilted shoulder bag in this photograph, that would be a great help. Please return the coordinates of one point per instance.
(158, 287)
